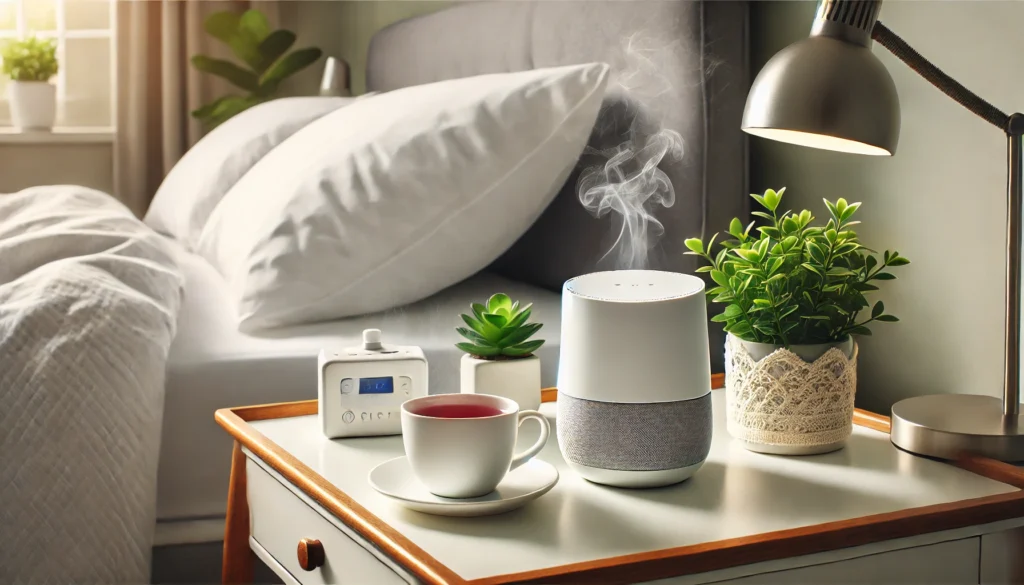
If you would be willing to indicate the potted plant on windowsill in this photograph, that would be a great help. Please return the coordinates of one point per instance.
(31, 63)
(795, 297)
(499, 356)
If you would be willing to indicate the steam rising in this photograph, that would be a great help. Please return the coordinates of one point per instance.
(629, 182)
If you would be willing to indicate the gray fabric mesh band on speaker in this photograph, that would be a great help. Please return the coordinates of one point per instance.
(634, 436)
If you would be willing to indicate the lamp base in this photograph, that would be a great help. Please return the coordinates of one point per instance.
(948, 425)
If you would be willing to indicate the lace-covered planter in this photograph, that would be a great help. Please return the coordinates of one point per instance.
(779, 403)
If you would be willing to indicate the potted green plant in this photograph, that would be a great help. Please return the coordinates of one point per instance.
(795, 296)
(31, 63)
(266, 62)
(500, 356)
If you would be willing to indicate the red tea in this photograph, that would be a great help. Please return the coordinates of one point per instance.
(459, 411)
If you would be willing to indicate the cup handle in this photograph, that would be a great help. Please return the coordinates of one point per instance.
(545, 430)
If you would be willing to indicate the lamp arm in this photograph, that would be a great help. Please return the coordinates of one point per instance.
(1013, 126)
(946, 84)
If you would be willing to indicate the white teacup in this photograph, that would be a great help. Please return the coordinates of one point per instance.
(462, 445)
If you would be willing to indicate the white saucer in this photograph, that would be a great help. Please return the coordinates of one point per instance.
(521, 486)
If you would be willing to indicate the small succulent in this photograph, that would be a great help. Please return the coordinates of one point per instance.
(499, 330)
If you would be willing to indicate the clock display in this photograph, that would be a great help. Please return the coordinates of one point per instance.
(377, 385)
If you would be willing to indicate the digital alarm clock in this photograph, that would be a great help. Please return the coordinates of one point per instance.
(361, 389)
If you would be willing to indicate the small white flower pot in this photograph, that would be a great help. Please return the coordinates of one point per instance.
(796, 401)
(33, 104)
(516, 379)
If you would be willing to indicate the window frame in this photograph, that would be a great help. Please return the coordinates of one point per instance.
(62, 35)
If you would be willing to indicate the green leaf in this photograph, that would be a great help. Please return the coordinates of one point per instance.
(771, 199)
(740, 329)
(704, 269)
(733, 311)
(478, 350)
(770, 231)
(887, 318)
(832, 209)
(473, 336)
(720, 277)
(816, 317)
(694, 244)
(774, 264)
(839, 271)
(831, 235)
(495, 319)
(233, 73)
(848, 212)
(498, 301)
(748, 255)
(816, 252)
(255, 25)
(222, 25)
(735, 228)
(520, 317)
(720, 318)
(860, 330)
(490, 332)
(478, 310)
(520, 334)
(760, 200)
(273, 47)
(812, 268)
(287, 66)
(898, 261)
(884, 276)
(762, 214)
(877, 310)
(762, 302)
(790, 225)
(212, 115)
(523, 349)
(865, 287)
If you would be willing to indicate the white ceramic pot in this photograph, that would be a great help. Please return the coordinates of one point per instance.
(33, 104)
(516, 379)
(795, 401)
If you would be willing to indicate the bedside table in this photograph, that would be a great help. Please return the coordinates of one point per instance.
(865, 514)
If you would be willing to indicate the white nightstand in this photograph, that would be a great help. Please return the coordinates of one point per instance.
(866, 514)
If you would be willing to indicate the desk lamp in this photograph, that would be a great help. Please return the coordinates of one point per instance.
(829, 91)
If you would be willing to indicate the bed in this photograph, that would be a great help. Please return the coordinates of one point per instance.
(698, 52)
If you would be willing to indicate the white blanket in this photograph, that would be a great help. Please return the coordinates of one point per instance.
(88, 302)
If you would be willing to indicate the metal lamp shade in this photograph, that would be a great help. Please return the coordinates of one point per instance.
(825, 93)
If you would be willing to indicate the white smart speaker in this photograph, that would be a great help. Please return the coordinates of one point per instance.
(634, 377)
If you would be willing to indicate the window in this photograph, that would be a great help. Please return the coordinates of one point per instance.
(85, 50)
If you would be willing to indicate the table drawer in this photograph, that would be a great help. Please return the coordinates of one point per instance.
(279, 519)
(953, 562)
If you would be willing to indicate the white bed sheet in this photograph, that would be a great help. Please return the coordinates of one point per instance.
(212, 365)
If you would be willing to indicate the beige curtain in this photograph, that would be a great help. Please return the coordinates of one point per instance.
(157, 87)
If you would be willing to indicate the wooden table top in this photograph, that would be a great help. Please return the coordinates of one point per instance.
(740, 508)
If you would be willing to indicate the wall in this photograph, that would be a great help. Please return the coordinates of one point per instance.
(940, 201)
(343, 28)
(27, 165)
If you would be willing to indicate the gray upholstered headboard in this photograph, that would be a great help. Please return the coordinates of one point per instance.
(679, 65)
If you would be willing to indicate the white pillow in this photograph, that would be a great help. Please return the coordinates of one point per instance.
(392, 199)
(200, 179)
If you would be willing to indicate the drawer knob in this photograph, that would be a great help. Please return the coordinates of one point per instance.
(311, 554)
